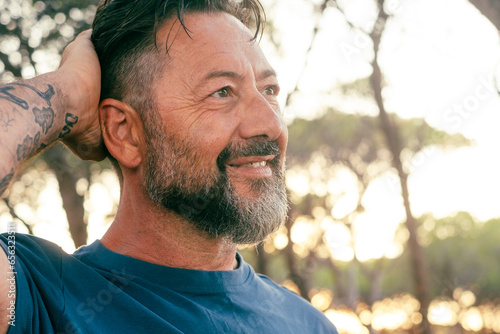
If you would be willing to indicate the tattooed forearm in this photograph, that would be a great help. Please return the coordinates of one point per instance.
(70, 120)
(5, 95)
(5, 181)
(27, 147)
(44, 117)
(6, 120)
(47, 95)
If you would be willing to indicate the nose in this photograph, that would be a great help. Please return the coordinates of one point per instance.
(263, 119)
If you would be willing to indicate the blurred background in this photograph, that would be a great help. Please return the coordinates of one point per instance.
(393, 175)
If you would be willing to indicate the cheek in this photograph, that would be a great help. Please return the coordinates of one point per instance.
(212, 135)
(204, 132)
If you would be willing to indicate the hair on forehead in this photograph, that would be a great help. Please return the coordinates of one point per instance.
(130, 23)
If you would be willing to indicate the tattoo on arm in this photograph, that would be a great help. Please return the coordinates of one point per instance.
(6, 180)
(44, 117)
(70, 120)
(47, 95)
(25, 149)
(4, 94)
(6, 120)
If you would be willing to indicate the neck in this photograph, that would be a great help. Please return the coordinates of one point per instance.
(146, 231)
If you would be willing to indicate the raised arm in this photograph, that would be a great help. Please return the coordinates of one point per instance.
(61, 105)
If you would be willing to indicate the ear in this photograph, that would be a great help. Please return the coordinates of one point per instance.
(121, 131)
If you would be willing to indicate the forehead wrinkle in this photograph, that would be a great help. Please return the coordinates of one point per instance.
(235, 56)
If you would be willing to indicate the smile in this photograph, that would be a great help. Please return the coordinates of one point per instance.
(253, 164)
(256, 166)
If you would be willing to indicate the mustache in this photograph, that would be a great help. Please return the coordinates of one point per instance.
(249, 148)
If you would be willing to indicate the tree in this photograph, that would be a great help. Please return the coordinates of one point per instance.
(393, 141)
(392, 135)
(463, 253)
(357, 144)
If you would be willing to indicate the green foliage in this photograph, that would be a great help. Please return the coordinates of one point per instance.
(277, 267)
(468, 256)
(336, 135)
(416, 134)
(358, 143)
(340, 137)
(323, 277)
(461, 252)
(398, 277)
(360, 88)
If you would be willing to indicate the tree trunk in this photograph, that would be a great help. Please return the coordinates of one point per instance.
(375, 286)
(295, 275)
(391, 133)
(490, 9)
(262, 260)
(72, 202)
(352, 298)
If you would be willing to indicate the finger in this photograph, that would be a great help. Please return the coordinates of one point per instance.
(85, 34)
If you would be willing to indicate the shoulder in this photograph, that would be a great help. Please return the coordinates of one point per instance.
(29, 267)
(32, 258)
(35, 262)
(27, 239)
(38, 267)
(30, 249)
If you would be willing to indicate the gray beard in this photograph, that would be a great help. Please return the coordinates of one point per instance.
(206, 199)
(222, 213)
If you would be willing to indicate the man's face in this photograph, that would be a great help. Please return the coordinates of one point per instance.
(216, 139)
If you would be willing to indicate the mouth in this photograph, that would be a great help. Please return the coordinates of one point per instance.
(253, 166)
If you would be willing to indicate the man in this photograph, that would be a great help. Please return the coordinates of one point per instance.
(189, 117)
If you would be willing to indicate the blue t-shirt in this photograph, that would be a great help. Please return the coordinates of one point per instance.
(98, 291)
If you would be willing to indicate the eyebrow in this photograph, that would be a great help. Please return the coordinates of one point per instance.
(230, 74)
(218, 74)
(266, 74)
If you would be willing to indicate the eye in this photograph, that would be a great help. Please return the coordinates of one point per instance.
(271, 90)
(223, 92)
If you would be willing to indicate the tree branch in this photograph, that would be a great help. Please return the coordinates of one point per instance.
(308, 52)
(490, 9)
(14, 215)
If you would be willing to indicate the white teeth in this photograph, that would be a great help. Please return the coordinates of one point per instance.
(254, 164)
